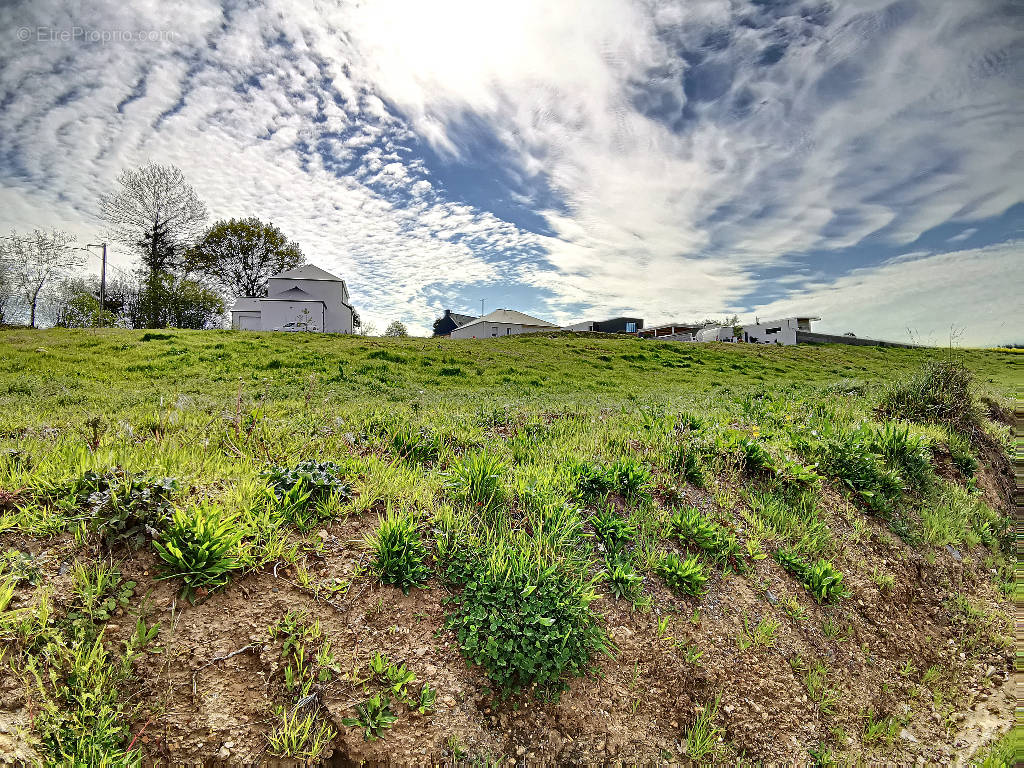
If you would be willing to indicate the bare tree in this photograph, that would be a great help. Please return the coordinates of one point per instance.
(8, 289)
(240, 255)
(38, 259)
(156, 213)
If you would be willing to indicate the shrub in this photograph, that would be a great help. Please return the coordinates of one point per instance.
(199, 545)
(319, 479)
(399, 556)
(687, 576)
(939, 393)
(820, 578)
(527, 620)
(691, 526)
(615, 533)
(476, 478)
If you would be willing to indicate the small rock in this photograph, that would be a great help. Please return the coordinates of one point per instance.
(224, 753)
(908, 736)
(520, 750)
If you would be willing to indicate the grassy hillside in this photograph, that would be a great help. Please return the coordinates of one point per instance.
(236, 546)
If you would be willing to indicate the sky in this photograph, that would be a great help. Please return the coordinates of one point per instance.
(860, 161)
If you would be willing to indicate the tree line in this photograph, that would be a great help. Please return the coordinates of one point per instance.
(183, 269)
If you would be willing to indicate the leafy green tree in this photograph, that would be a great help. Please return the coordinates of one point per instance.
(396, 328)
(239, 256)
(76, 306)
(164, 300)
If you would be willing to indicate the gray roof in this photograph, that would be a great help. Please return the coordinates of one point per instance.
(307, 272)
(246, 304)
(293, 292)
(511, 317)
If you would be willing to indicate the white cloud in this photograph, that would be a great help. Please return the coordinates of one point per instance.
(669, 180)
(971, 296)
(963, 235)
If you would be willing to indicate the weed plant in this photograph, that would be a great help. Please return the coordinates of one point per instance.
(693, 527)
(527, 620)
(685, 575)
(399, 554)
(820, 578)
(199, 546)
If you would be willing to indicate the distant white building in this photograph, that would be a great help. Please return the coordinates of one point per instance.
(306, 298)
(501, 322)
(776, 331)
(716, 333)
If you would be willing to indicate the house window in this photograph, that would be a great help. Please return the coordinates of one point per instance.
(630, 327)
(772, 330)
(508, 331)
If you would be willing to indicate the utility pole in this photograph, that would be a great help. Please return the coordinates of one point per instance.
(482, 307)
(103, 275)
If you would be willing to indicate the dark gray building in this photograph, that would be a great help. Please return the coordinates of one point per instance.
(612, 325)
(449, 321)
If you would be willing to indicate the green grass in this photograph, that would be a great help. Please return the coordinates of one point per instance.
(533, 475)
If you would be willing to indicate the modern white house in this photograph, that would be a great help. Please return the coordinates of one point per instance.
(502, 322)
(776, 331)
(762, 332)
(306, 298)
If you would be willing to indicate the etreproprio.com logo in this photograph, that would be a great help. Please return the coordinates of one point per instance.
(92, 35)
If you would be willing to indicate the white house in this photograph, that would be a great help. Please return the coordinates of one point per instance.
(776, 331)
(306, 298)
(501, 322)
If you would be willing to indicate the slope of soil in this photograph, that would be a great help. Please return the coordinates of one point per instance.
(912, 666)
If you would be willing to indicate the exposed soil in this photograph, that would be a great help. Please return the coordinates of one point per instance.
(208, 697)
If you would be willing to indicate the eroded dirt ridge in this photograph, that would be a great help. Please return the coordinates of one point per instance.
(821, 577)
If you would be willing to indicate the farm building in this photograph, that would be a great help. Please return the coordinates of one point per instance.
(306, 298)
(501, 322)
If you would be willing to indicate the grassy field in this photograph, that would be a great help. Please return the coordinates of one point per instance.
(238, 546)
